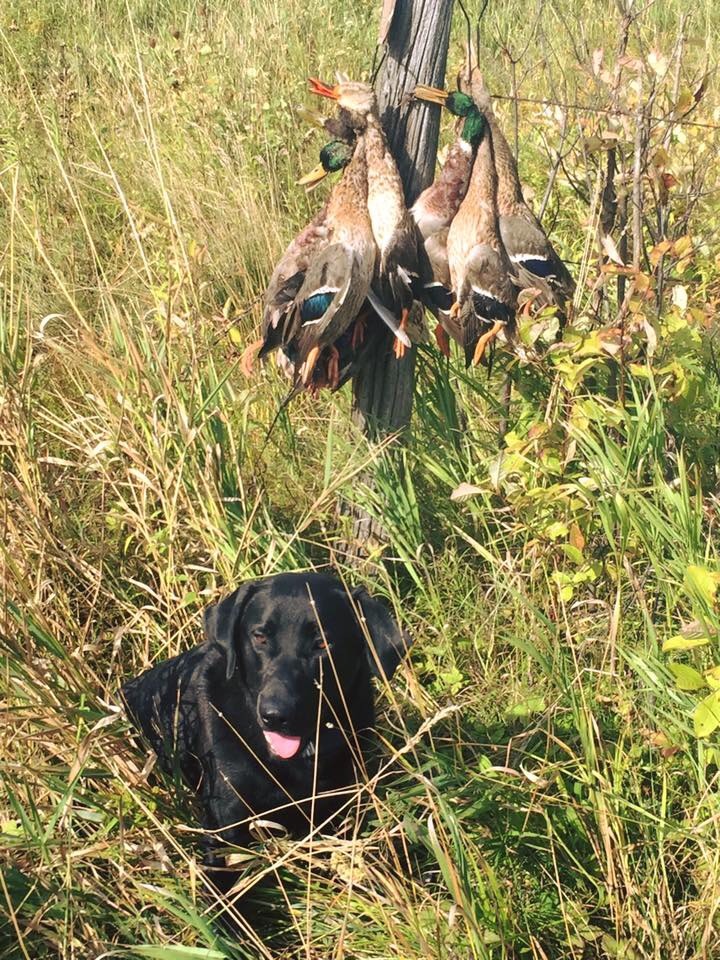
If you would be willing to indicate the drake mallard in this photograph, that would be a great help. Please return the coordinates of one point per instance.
(397, 268)
(334, 157)
(435, 208)
(533, 256)
(321, 282)
(481, 274)
(337, 280)
(290, 270)
(283, 286)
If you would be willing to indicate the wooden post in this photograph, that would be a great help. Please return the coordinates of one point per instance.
(417, 46)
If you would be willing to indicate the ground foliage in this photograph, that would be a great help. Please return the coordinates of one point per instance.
(551, 778)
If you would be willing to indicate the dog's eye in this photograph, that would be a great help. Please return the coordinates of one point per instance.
(259, 637)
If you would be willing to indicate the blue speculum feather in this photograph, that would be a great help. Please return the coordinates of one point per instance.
(315, 306)
(539, 267)
(490, 309)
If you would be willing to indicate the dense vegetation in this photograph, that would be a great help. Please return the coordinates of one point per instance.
(552, 762)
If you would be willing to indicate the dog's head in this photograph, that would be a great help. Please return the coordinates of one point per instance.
(301, 645)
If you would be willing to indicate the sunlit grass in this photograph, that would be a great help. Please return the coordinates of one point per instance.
(543, 792)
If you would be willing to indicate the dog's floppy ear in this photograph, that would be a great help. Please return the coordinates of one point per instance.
(388, 643)
(221, 619)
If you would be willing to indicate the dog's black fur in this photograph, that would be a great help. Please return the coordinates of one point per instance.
(271, 647)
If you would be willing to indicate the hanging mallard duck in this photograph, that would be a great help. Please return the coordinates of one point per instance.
(289, 273)
(397, 269)
(321, 282)
(435, 209)
(533, 256)
(481, 274)
(337, 279)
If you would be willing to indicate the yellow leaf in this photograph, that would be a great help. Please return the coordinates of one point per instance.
(713, 677)
(703, 583)
(685, 101)
(659, 251)
(678, 642)
(706, 716)
(682, 247)
(660, 160)
(593, 144)
(687, 678)
(576, 537)
(556, 530)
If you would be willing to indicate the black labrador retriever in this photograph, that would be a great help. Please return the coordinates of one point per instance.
(272, 716)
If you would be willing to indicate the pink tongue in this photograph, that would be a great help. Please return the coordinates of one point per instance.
(282, 746)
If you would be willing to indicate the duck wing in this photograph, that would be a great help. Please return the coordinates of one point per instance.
(489, 298)
(534, 257)
(287, 279)
(333, 291)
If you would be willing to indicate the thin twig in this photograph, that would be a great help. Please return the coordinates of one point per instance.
(585, 108)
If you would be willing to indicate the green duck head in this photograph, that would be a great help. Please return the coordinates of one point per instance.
(474, 127)
(334, 156)
(460, 105)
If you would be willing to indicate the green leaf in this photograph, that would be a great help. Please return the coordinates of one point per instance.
(619, 949)
(572, 553)
(527, 707)
(679, 642)
(687, 678)
(706, 716)
(702, 582)
(11, 828)
(556, 530)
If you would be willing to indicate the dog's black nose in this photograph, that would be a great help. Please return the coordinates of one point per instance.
(274, 714)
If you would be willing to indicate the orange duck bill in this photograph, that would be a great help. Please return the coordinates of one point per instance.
(323, 89)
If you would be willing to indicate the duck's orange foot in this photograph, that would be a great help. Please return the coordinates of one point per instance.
(358, 334)
(399, 348)
(306, 371)
(333, 368)
(455, 309)
(483, 342)
(442, 340)
(247, 360)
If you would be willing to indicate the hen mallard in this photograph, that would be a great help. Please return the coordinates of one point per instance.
(394, 230)
(435, 208)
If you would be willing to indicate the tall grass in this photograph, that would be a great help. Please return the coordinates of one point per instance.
(543, 792)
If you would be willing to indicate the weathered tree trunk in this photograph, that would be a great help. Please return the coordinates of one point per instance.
(417, 46)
